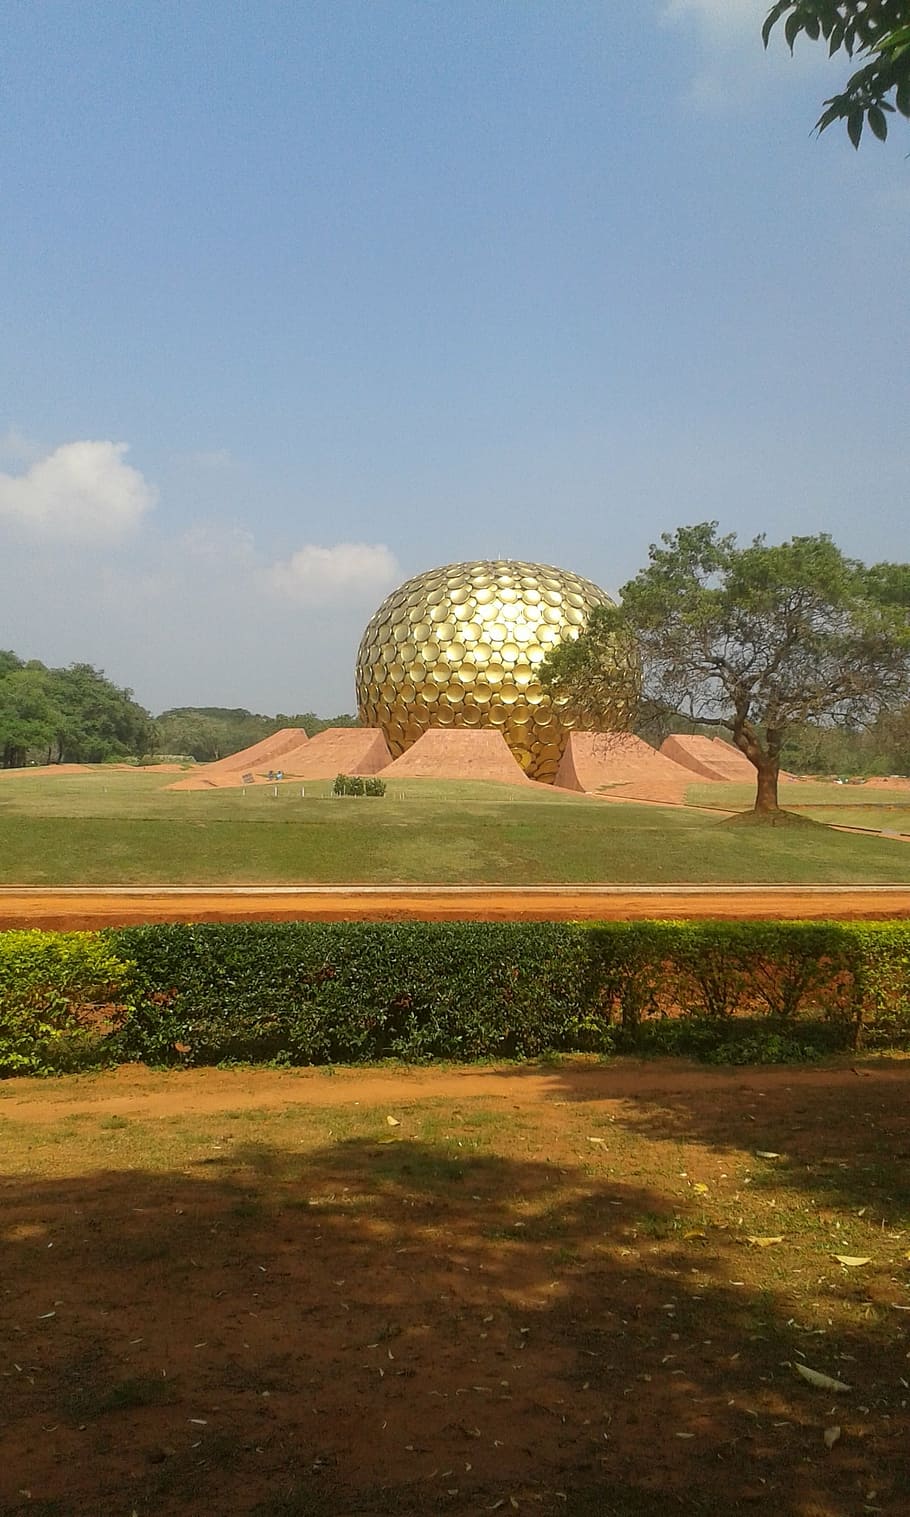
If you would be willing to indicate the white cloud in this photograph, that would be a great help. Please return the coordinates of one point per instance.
(722, 19)
(732, 67)
(83, 491)
(321, 576)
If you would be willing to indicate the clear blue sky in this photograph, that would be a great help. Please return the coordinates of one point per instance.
(366, 286)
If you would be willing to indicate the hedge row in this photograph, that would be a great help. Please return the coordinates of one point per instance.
(308, 993)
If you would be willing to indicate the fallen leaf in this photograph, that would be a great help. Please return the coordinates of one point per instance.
(852, 1261)
(701, 1188)
(831, 1436)
(766, 1153)
(393, 1122)
(765, 1242)
(822, 1382)
(694, 1233)
(601, 1141)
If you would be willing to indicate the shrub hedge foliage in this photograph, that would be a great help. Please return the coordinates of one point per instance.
(357, 784)
(56, 994)
(311, 993)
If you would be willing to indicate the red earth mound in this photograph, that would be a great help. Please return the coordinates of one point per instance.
(458, 753)
(270, 753)
(626, 766)
(708, 757)
(338, 750)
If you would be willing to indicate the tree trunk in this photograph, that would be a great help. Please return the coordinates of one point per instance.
(766, 793)
(766, 758)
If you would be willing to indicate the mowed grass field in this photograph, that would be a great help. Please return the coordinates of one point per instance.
(108, 827)
(884, 810)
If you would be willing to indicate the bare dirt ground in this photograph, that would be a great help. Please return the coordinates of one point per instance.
(74, 907)
(582, 1289)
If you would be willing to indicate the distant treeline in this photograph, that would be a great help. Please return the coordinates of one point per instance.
(78, 716)
(67, 716)
(212, 732)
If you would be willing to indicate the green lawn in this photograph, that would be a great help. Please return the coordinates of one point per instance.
(110, 827)
(845, 805)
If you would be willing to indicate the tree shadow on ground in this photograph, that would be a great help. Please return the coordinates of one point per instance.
(383, 1326)
(841, 1134)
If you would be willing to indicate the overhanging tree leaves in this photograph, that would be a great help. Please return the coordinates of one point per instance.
(875, 31)
(755, 639)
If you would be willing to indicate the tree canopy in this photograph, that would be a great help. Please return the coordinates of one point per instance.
(72, 715)
(760, 640)
(877, 33)
(77, 715)
(211, 732)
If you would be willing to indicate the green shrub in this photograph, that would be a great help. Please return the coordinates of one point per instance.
(881, 969)
(738, 1040)
(355, 784)
(308, 993)
(312, 993)
(717, 972)
(60, 993)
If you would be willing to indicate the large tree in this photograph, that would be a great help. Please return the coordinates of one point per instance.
(877, 33)
(28, 713)
(98, 719)
(755, 639)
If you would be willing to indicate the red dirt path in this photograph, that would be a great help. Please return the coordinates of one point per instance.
(143, 1093)
(72, 907)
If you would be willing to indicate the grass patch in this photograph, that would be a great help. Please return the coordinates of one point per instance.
(127, 828)
(798, 794)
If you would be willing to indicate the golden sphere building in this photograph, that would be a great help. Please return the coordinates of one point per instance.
(461, 646)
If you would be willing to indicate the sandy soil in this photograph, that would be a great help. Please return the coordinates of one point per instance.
(74, 907)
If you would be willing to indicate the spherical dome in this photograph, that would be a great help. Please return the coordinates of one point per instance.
(461, 646)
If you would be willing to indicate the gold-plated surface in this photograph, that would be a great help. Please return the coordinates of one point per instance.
(461, 646)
